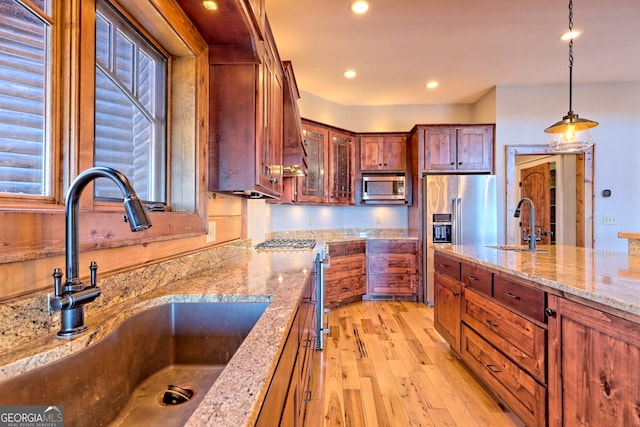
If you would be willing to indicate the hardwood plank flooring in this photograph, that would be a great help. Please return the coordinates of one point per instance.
(384, 365)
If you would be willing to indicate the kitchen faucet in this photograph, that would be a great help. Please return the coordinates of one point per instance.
(531, 238)
(71, 297)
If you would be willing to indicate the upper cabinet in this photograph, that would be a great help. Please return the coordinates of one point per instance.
(455, 148)
(383, 153)
(295, 151)
(330, 176)
(245, 129)
(246, 98)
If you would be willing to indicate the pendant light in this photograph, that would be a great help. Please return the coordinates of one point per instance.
(571, 134)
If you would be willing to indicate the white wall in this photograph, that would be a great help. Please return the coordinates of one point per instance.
(381, 118)
(522, 114)
(298, 217)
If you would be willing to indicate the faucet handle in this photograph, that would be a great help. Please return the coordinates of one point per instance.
(525, 236)
(538, 236)
(94, 272)
(57, 281)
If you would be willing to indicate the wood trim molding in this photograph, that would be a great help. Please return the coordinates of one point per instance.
(584, 193)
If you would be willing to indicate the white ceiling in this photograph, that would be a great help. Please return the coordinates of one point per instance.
(469, 46)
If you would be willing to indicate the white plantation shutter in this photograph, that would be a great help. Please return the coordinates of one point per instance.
(25, 40)
(130, 111)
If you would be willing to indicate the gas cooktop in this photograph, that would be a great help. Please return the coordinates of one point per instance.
(287, 244)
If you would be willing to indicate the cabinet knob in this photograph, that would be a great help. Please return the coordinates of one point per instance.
(550, 312)
(455, 294)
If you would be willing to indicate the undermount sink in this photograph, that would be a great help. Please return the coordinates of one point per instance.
(122, 379)
(516, 248)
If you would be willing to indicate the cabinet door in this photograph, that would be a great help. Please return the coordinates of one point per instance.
(269, 147)
(440, 149)
(370, 153)
(312, 187)
(341, 163)
(474, 149)
(447, 310)
(394, 153)
(594, 369)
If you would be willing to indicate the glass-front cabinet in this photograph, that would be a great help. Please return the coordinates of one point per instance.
(330, 175)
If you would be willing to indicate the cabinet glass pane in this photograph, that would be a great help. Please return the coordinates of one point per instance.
(313, 183)
(341, 168)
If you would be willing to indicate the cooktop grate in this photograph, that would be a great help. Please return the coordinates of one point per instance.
(287, 244)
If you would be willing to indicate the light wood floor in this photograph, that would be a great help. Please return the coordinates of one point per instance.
(384, 365)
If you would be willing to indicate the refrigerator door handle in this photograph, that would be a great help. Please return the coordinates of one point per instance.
(459, 215)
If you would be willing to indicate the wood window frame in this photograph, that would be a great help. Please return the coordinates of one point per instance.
(34, 228)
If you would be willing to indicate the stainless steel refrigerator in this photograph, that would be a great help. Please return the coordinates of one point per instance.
(457, 209)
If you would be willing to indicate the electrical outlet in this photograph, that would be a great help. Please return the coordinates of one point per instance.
(310, 220)
(609, 220)
(378, 220)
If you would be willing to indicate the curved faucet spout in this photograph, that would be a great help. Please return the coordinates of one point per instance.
(532, 222)
(71, 296)
(136, 215)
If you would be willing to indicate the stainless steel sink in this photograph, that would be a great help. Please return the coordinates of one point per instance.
(122, 379)
(516, 248)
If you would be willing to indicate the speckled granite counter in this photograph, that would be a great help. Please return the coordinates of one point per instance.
(608, 278)
(338, 235)
(236, 397)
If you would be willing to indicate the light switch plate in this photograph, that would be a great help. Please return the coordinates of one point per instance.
(609, 220)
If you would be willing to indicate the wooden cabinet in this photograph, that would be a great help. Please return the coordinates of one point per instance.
(341, 168)
(493, 322)
(245, 148)
(386, 152)
(345, 279)
(455, 148)
(447, 299)
(594, 374)
(447, 295)
(330, 166)
(392, 268)
(290, 387)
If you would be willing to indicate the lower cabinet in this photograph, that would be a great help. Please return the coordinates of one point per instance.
(594, 367)
(290, 388)
(345, 279)
(492, 321)
(392, 268)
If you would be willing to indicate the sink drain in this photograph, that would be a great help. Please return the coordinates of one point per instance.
(175, 395)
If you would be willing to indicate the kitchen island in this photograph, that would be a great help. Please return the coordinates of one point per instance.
(554, 333)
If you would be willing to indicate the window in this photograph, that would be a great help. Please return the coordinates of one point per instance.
(25, 98)
(130, 112)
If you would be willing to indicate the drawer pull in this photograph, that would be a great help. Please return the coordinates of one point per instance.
(550, 312)
(472, 277)
(492, 324)
(493, 368)
(510, 295)
(443, 265)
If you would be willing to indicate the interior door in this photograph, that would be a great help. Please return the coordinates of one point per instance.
(534, 184)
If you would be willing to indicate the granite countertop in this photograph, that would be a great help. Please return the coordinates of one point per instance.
(608, 278)
(236, 397)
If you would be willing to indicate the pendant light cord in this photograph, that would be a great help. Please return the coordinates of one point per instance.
(570, 57)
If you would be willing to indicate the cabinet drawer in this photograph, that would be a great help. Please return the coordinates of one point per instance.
(345, 267)
(392, 246)
(337, 249)
(477, 278)
(448, 266)
(355, 247)
(520, 338)
(344, 289)
(391, 263)
(391, 284)
(522, 393)
(528, 301)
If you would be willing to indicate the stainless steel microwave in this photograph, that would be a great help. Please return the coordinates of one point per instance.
(383, 188)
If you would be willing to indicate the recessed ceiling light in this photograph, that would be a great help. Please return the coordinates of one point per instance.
(570, 35)
(210, 4)
(432, 85)
(349, 74)
(359, 7)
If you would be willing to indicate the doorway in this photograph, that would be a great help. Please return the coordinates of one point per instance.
(574, 192)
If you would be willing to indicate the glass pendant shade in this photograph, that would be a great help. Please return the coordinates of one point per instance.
(571, 134)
